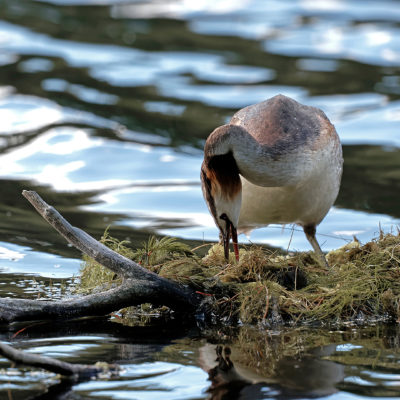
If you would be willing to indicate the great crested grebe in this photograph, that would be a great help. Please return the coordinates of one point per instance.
(277, 162)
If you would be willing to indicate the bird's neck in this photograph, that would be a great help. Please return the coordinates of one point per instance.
(225, 174)
(259, 164)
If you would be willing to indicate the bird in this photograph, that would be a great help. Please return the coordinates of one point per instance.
(275, 162)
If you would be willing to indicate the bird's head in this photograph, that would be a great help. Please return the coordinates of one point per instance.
(222, 190)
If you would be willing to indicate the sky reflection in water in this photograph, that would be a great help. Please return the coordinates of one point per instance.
(160, 183)
(170, 369)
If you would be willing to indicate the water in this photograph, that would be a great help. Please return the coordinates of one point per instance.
(171, 363)
(104, 109)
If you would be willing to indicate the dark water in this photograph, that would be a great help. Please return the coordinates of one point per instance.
(104, 108)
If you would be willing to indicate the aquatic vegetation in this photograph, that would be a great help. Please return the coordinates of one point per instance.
(93, 276)
(266, 287)
(158, 250)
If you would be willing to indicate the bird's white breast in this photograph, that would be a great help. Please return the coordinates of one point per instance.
(306, 202)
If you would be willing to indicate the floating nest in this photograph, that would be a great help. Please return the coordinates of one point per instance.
(265, 287)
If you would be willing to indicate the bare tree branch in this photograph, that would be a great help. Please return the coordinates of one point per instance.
(86, 244)
(79, 371)
(139, 285)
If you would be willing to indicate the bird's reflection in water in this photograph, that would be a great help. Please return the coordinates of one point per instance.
(307, 377)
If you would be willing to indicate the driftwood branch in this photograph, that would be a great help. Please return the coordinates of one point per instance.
(139, 284)
(77, 371)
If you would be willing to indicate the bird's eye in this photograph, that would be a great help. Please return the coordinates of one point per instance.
(223, 216)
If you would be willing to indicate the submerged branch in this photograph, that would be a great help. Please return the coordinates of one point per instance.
(79, 371)
(130, 292)
(139, 285)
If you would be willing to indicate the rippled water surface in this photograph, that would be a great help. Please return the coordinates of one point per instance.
(104, 109)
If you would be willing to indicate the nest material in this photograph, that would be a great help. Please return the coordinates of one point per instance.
(362, 283)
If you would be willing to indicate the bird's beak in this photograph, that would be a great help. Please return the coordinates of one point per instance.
(235, 242)
(230, 232)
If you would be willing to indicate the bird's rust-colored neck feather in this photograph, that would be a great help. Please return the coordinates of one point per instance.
(224, 173)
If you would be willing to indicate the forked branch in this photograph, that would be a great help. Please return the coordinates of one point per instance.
(139, 284)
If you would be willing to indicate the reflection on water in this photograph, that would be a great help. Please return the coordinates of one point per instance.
(105, 106)
(303, 363)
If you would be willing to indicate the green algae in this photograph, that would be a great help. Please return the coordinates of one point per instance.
(264, 286)
(158, 250)
(93, 276)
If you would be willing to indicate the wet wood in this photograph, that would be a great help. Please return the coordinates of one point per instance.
(79, 371)
(139, 285)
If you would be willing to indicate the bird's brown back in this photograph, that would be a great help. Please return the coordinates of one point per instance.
(282, 124)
